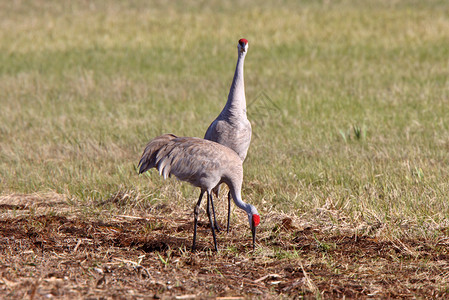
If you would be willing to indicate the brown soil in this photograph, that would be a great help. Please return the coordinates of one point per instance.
(65, 256)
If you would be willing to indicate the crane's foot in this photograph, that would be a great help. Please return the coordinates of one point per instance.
(217, 228)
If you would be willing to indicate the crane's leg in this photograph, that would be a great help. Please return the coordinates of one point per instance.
(209, 199)
(229, 210)
(215, 218)
(196, 212)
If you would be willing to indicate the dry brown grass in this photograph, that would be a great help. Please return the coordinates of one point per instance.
(53, 251)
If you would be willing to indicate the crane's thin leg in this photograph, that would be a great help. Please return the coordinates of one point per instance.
(209, 199)
(196, 212)
(215, 218)
(229, 210)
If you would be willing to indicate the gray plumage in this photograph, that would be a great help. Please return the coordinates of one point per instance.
(231, 128)
(202, 163)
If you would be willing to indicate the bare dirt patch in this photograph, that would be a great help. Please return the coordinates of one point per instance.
(56, 255)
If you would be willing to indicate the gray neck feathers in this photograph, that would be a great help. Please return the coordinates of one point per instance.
(237, 197)
(236, 104)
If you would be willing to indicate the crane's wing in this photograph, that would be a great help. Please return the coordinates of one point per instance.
(190, 159)
(148, 159)
(200, 162)
(197, 161)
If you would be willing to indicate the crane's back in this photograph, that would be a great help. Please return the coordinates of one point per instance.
(200, 162)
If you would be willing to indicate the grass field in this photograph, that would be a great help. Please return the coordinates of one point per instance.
(349, 106)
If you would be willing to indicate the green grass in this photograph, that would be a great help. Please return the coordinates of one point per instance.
(348, 101)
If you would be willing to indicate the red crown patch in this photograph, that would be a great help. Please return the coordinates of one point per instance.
(256, 220)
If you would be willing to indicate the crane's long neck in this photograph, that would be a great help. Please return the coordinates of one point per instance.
(236, 104)
(237, 197)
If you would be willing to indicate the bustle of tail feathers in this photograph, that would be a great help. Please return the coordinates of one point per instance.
(149, 155)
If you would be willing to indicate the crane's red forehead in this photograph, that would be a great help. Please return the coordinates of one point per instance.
(256, 220)
(243, 41)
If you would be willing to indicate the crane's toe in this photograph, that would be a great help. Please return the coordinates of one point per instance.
(217, 228)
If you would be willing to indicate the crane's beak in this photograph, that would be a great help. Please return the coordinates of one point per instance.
(242, 49)
(253, 231)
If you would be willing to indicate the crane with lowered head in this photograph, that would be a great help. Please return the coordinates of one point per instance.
(204, 164)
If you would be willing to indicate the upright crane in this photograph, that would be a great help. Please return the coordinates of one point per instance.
(231, 128)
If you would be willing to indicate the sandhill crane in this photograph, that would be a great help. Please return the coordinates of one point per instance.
(231, 128)
(204, 164)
